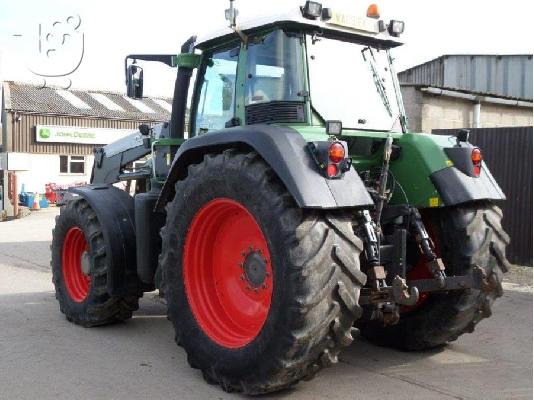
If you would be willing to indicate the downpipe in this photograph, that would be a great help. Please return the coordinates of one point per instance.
(476, 115)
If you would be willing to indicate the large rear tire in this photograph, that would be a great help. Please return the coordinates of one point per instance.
(466, 236)
(80, 269)
(260, 292)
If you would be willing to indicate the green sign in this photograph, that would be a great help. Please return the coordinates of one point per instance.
(80, 135)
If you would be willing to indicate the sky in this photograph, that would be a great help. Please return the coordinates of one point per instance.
(108, 30)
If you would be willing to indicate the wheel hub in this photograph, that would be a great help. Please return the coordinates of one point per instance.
(255, 267)
(76, 265)
(228, 276)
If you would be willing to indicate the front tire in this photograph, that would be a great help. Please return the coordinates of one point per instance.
(80, 268)
(260, 292)
(466, 236)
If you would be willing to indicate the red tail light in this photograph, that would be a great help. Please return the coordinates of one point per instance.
(476, 158)
(476, 155)
(336, 153)
(331, 170)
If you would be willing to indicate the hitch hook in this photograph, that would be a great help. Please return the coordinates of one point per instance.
(482, 282)
(402, 294)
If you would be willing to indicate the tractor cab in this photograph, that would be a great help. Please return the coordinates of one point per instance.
(307, 67)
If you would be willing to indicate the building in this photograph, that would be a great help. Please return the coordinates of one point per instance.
(462, 91)
(48, 134)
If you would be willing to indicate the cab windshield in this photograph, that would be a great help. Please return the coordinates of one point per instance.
(352, 83)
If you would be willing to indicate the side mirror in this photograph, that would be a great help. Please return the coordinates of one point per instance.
(134, 82)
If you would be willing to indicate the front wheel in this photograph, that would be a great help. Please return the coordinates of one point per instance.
(80, 266)
(465, 236)
(261, 293)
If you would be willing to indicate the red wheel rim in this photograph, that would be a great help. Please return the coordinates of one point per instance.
(76, 282)
(420, 270)
(221, 242)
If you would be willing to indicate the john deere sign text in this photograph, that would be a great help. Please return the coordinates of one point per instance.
(73, 134)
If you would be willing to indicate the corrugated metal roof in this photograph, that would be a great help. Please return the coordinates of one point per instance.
(24, 97)
(106, 101)
(507, 76)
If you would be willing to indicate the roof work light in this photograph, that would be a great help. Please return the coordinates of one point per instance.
(395, 28)
(312, 10)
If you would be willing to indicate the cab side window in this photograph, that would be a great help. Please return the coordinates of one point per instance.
(275, 68)
(216, 103)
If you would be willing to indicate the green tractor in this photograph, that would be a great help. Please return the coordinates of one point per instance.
(294, 209)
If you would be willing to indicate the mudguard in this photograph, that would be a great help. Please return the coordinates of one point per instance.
(116, 214)
(455, 186)
(284, 149)
(433, 172)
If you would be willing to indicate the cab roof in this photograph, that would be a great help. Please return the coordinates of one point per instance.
(352, 28)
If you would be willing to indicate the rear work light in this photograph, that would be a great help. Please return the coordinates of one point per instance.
(334, 128)
(476, 158)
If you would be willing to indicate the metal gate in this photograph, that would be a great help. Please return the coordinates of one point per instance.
(508, 154)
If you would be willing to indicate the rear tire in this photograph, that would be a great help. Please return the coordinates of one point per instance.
(315, 278)
(467, 235)
(83, 296)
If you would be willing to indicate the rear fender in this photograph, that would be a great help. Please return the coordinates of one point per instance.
(456, 187)
(285, 150)
(429, 174)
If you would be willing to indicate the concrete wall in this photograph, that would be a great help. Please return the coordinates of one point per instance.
(492, 116)
(413, 103)
(427, 112)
